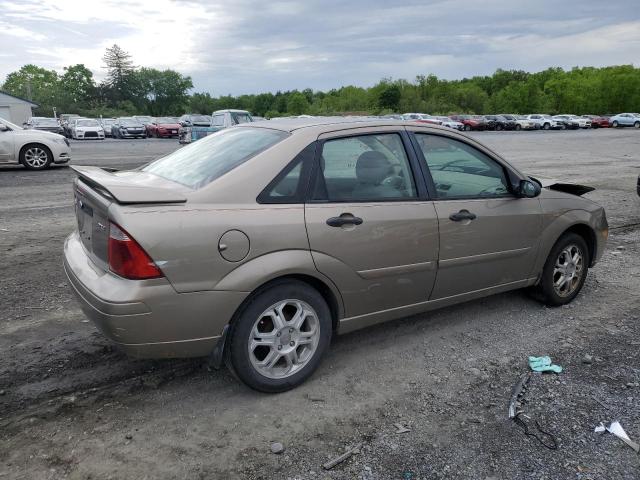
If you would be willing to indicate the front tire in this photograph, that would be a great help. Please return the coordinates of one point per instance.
(36, 157)
(467, 128)
(565, 270)
(546, 126)
(615, 124)
(279, 338)
(518, 127)
(636, 125)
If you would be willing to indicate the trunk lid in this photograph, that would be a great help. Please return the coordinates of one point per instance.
(96, 190)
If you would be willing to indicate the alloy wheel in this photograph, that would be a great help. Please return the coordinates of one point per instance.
(284, 338)
(36, 157)
(567, 271)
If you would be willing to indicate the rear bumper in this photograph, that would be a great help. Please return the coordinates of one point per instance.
(148, 318)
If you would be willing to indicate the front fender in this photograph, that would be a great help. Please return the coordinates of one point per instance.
(555, 226)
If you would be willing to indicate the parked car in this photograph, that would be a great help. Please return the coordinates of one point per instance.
(163, 127)
(598, 121)
(471, 122)
(106, 126)
(65, 119)
(544, 122)
(84, 128)
(421, 117)
(498, 122)
(521, 122)
(566, 122)
(194, 126)
(227, 118)
(256, 244)
(45, 124)
(35, 149)
(144, 119)
(450, 123)
(128, 127)
(625, 120)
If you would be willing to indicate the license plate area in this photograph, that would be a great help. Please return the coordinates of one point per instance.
(84, 214)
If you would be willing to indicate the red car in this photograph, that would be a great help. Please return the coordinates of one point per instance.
(471, 122)
(598, 121)
(163, 127)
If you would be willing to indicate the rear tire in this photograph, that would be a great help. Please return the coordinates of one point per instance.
(279, 338)
(518, 127)
(565, 271)
(35, 156)
(615, 124)
(546, 126)
(467, 128)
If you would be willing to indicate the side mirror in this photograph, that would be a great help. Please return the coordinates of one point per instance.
(528, 189)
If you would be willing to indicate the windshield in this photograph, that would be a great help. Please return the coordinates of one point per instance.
(202, 162)
(12, 126)
(130, 122)
(242, 117)
(165, 120)
(200, 119)
(45, 122)
(87, 123)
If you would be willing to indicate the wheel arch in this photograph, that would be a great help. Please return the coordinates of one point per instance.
(33, 144)
(588, 234)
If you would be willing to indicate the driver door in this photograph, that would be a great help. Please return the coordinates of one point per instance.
(488, 236)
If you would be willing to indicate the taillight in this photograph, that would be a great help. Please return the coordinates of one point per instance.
(127, 258)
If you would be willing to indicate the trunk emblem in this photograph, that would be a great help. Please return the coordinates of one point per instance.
(101, 226)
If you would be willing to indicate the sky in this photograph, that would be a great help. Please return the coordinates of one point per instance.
(241, 46)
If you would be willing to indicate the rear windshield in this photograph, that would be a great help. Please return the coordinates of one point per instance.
(202, 162)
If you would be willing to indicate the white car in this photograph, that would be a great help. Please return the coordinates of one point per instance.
(82, 128)
(545, 122)
(421, 117)
(448, 122)
(582, 121)
(34, 149)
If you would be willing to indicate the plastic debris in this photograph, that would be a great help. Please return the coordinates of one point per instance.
(619, 432)
(401, 428)
(600, 428)
(543, 364)
(339, 459)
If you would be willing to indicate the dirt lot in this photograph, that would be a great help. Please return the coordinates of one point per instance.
(72, 407)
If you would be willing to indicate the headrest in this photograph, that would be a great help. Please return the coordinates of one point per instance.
(372, 167)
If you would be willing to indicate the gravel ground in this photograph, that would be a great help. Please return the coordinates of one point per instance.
(73, 407)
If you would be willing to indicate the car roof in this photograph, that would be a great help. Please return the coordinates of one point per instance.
(328, 124)
(231, 110)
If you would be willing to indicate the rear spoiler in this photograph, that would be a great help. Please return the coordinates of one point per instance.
(130, 186)
(572, 188)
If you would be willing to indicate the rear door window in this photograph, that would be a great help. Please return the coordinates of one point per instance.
(364, 168)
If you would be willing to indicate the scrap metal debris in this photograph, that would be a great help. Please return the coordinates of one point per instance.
(516, 414)
(335, 461)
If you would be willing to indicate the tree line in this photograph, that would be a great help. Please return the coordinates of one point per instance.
(130, 90)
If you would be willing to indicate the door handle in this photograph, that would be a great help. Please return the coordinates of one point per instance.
(462, 215)
(344, 219)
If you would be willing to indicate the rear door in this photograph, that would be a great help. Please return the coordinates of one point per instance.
(372, 229)
(488, 236)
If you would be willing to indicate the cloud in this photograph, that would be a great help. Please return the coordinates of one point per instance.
(249, 46)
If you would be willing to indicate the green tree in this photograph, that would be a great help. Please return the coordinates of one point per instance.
(78, 86)
(120, 72)
(35, 83)
(297, 104)
(161, 92)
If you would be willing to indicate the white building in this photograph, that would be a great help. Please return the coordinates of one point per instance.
(15, 109)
